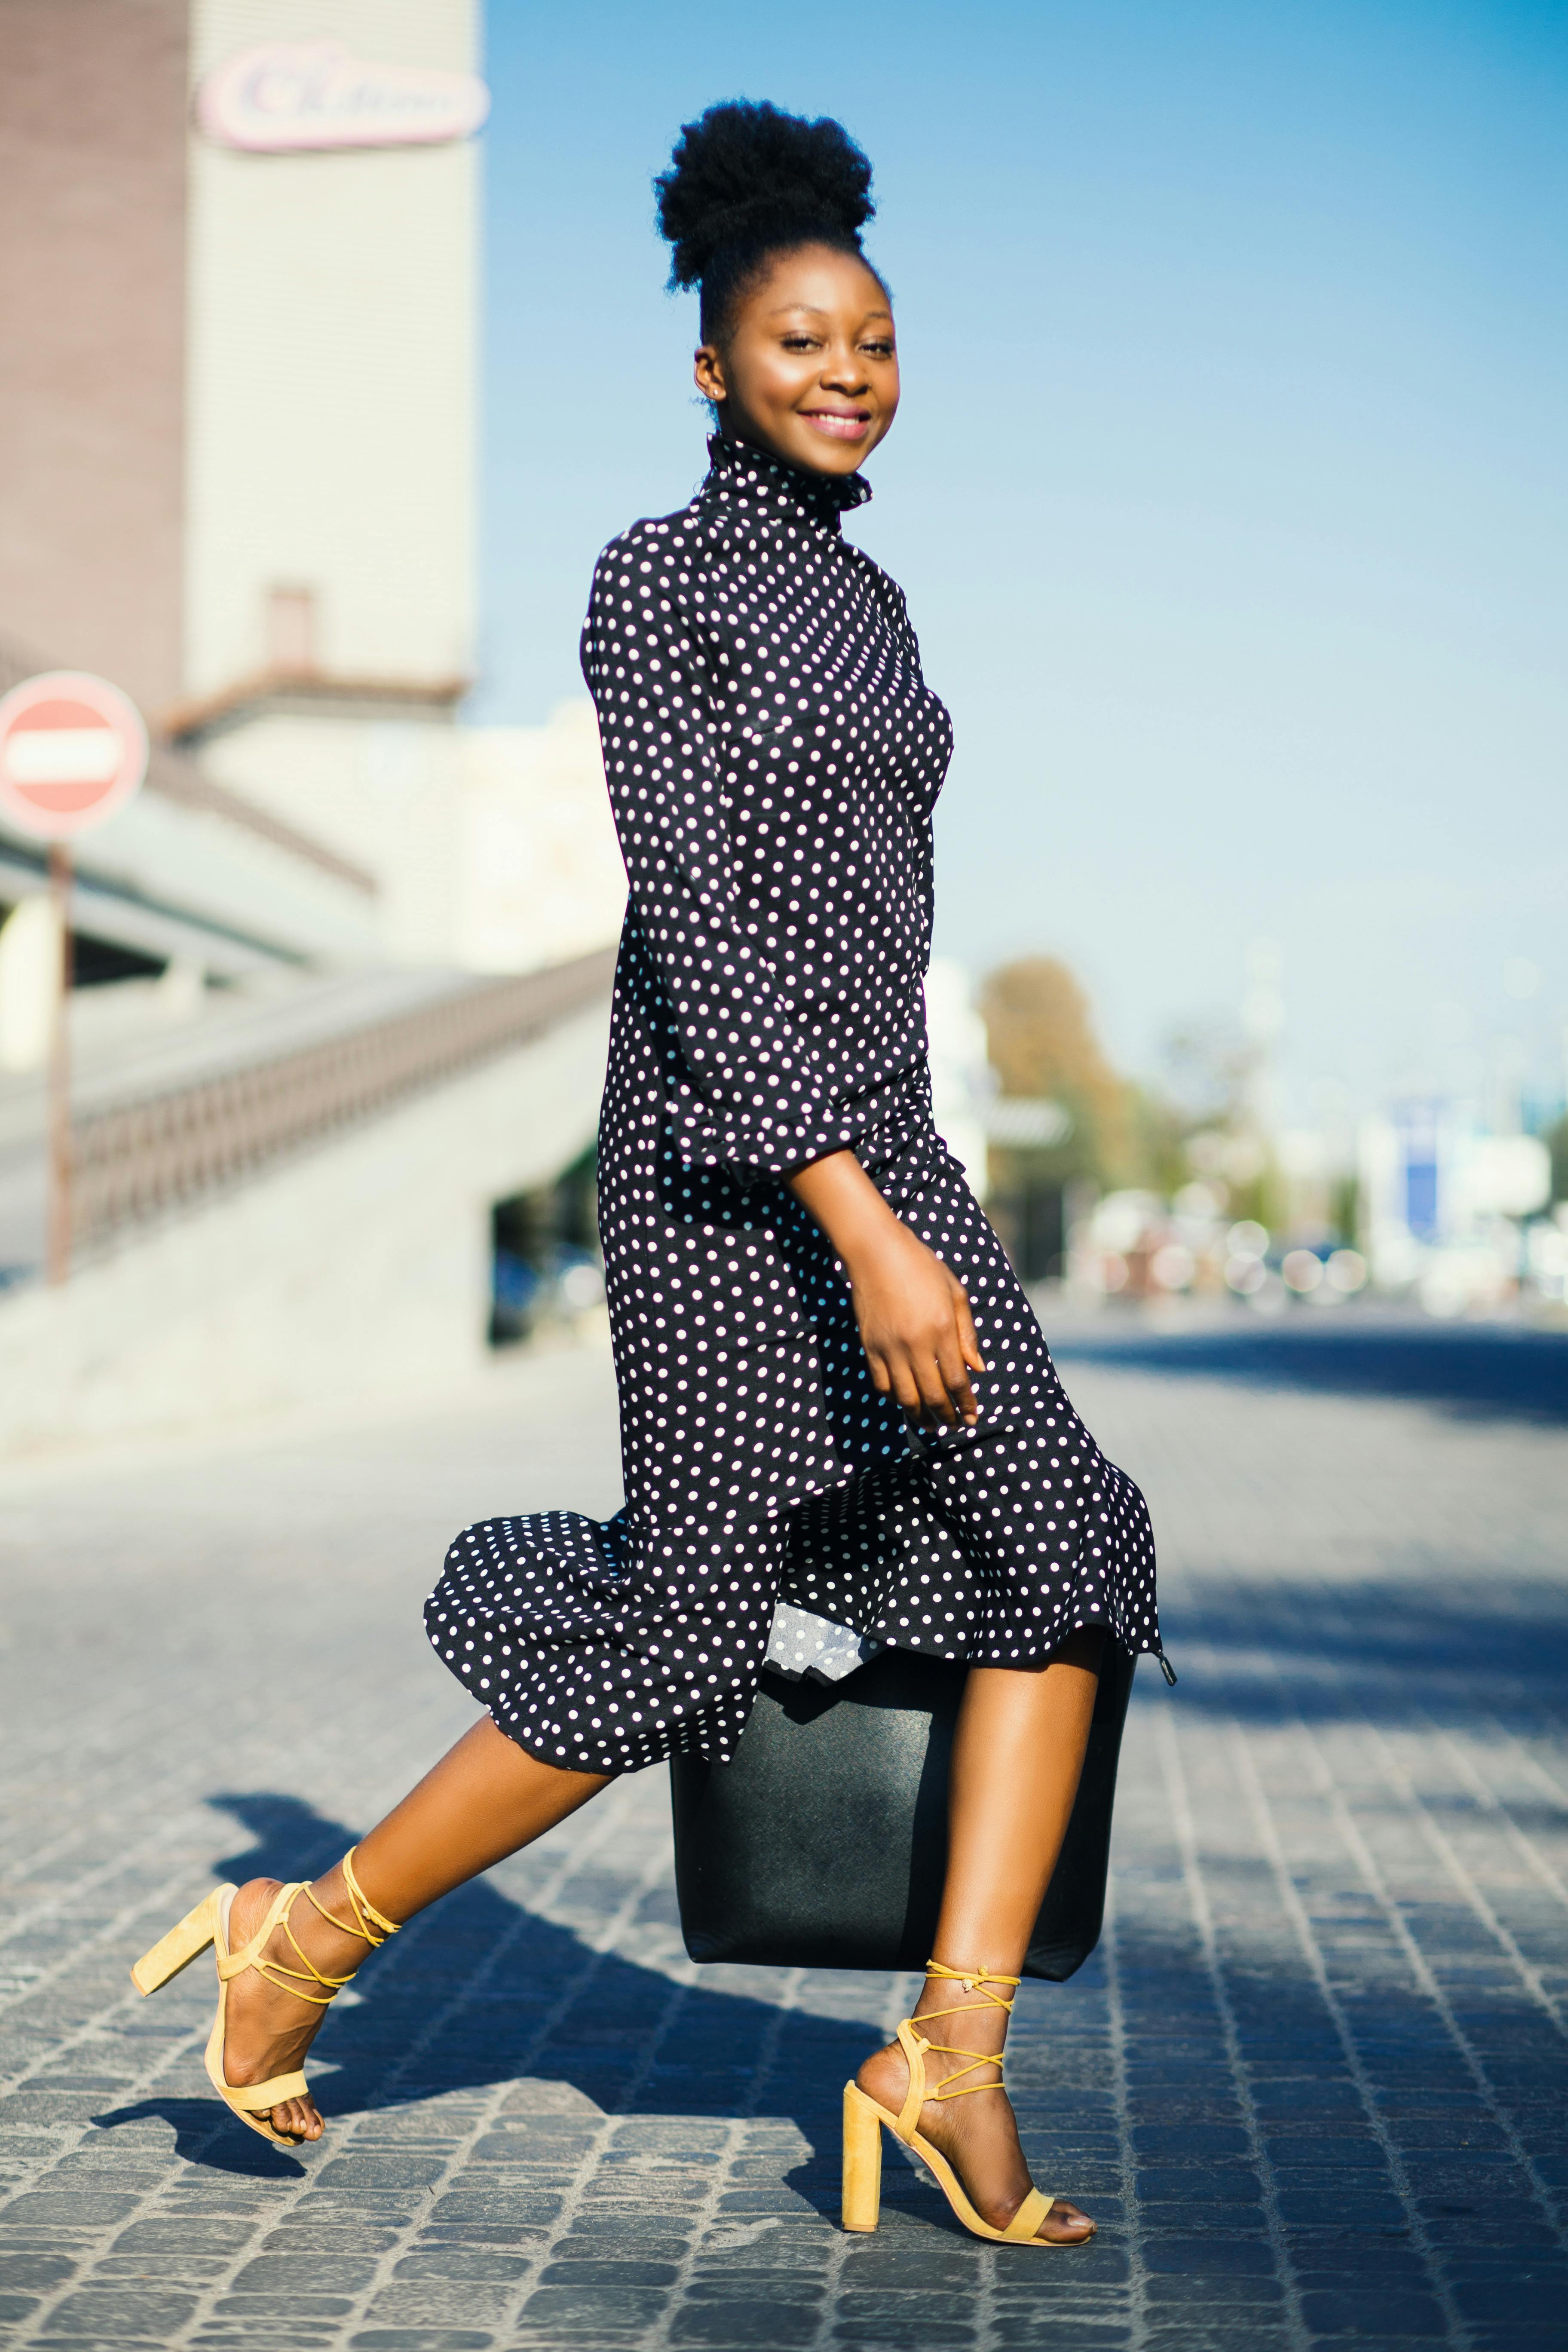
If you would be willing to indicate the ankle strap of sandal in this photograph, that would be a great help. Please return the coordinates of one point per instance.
(372, 1927)
(973, 1980)
(368, 1920)
(279, 1972)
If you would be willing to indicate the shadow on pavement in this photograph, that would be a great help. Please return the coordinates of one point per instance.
(1382, 1655)
(1371, 1652)
(433, 2022)
(1477, 1371)
(206, 2134)
(425, 2028)
(428, 2029)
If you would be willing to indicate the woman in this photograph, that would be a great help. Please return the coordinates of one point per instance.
(802, 1291)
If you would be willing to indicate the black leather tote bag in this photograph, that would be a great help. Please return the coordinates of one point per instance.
(823, 1844)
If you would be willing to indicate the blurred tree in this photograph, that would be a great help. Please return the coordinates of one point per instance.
(1556, 1140)
(1214, 1074)
(1160, 1132)
(1210, 1070)
(1042, 1044)
(1260, 1198)
(1345, 1209)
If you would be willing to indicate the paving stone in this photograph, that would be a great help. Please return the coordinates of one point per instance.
(1374, 2315)
(894, 2326)
(586, 2307)
(1313, 2082)
(743, 2323)
(420, 2339)
(121, 2313)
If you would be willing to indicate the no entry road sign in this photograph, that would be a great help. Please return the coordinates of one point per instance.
(73, 750)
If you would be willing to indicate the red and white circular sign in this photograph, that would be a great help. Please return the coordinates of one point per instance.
(73, 750)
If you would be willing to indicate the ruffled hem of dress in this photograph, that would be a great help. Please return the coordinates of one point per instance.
(541, 1620)
(869, 1552)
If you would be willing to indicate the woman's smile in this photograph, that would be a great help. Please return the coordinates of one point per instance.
(841, 423)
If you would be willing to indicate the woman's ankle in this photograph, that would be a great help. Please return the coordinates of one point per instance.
(323, 1922)
(980, 2024)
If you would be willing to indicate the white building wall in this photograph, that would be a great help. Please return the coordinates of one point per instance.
(962, 1079)
(541, 878)
(331, 371)
(384, 792)
(494, 846)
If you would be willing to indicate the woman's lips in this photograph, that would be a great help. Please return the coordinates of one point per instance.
(839, 427)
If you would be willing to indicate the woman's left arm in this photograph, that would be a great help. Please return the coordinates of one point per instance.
(912, 1311)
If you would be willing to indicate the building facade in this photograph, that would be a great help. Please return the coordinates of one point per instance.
(239, 449)
(94, 163)
(328, 560)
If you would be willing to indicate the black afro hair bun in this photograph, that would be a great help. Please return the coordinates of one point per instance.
(746, 177)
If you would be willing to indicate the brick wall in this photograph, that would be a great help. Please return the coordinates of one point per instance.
(92, 161)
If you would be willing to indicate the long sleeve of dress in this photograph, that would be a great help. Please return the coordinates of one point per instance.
(754, 1097)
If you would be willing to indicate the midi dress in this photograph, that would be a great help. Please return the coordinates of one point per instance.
(773, 756)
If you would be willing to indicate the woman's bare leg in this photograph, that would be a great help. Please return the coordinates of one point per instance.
(1017, 1756)
(485, 1799)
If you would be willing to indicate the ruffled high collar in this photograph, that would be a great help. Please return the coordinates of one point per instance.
(741, 474)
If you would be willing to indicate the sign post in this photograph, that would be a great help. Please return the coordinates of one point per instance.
(73, 752)
(58, 1233)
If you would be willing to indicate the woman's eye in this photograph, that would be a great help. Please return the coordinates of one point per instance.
(800, 342)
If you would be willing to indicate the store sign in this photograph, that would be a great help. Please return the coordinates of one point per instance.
(284, 97)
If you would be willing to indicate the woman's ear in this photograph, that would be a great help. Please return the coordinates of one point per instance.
(707, 370)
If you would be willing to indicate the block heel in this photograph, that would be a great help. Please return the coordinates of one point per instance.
(862, 2196)
(182, 1945)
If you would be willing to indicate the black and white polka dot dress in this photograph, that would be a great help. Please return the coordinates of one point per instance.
(773, 756)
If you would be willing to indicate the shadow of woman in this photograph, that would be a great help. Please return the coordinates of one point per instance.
(1476, 1372)
(480, 1991)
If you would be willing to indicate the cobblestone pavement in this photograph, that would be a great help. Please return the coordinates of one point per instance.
(1315, 2084)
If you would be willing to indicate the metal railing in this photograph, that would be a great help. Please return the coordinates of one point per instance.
(137, 1161)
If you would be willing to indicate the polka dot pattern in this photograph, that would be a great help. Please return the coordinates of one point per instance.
(773, 756)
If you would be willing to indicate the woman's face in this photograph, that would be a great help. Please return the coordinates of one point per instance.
(809, 368)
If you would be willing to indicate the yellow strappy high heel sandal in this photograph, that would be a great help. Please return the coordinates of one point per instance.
(208, 1923)
(864, 2119)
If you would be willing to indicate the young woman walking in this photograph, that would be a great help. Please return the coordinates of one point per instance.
(802, 1291)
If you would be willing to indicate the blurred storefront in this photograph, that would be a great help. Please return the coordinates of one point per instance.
(1457, 1214)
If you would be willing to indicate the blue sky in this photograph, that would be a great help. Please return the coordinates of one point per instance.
(1228, 490)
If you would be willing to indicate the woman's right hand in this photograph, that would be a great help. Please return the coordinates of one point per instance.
(912, 1311)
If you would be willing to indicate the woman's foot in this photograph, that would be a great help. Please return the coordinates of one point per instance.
(978, 2136)
(269, 2030)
